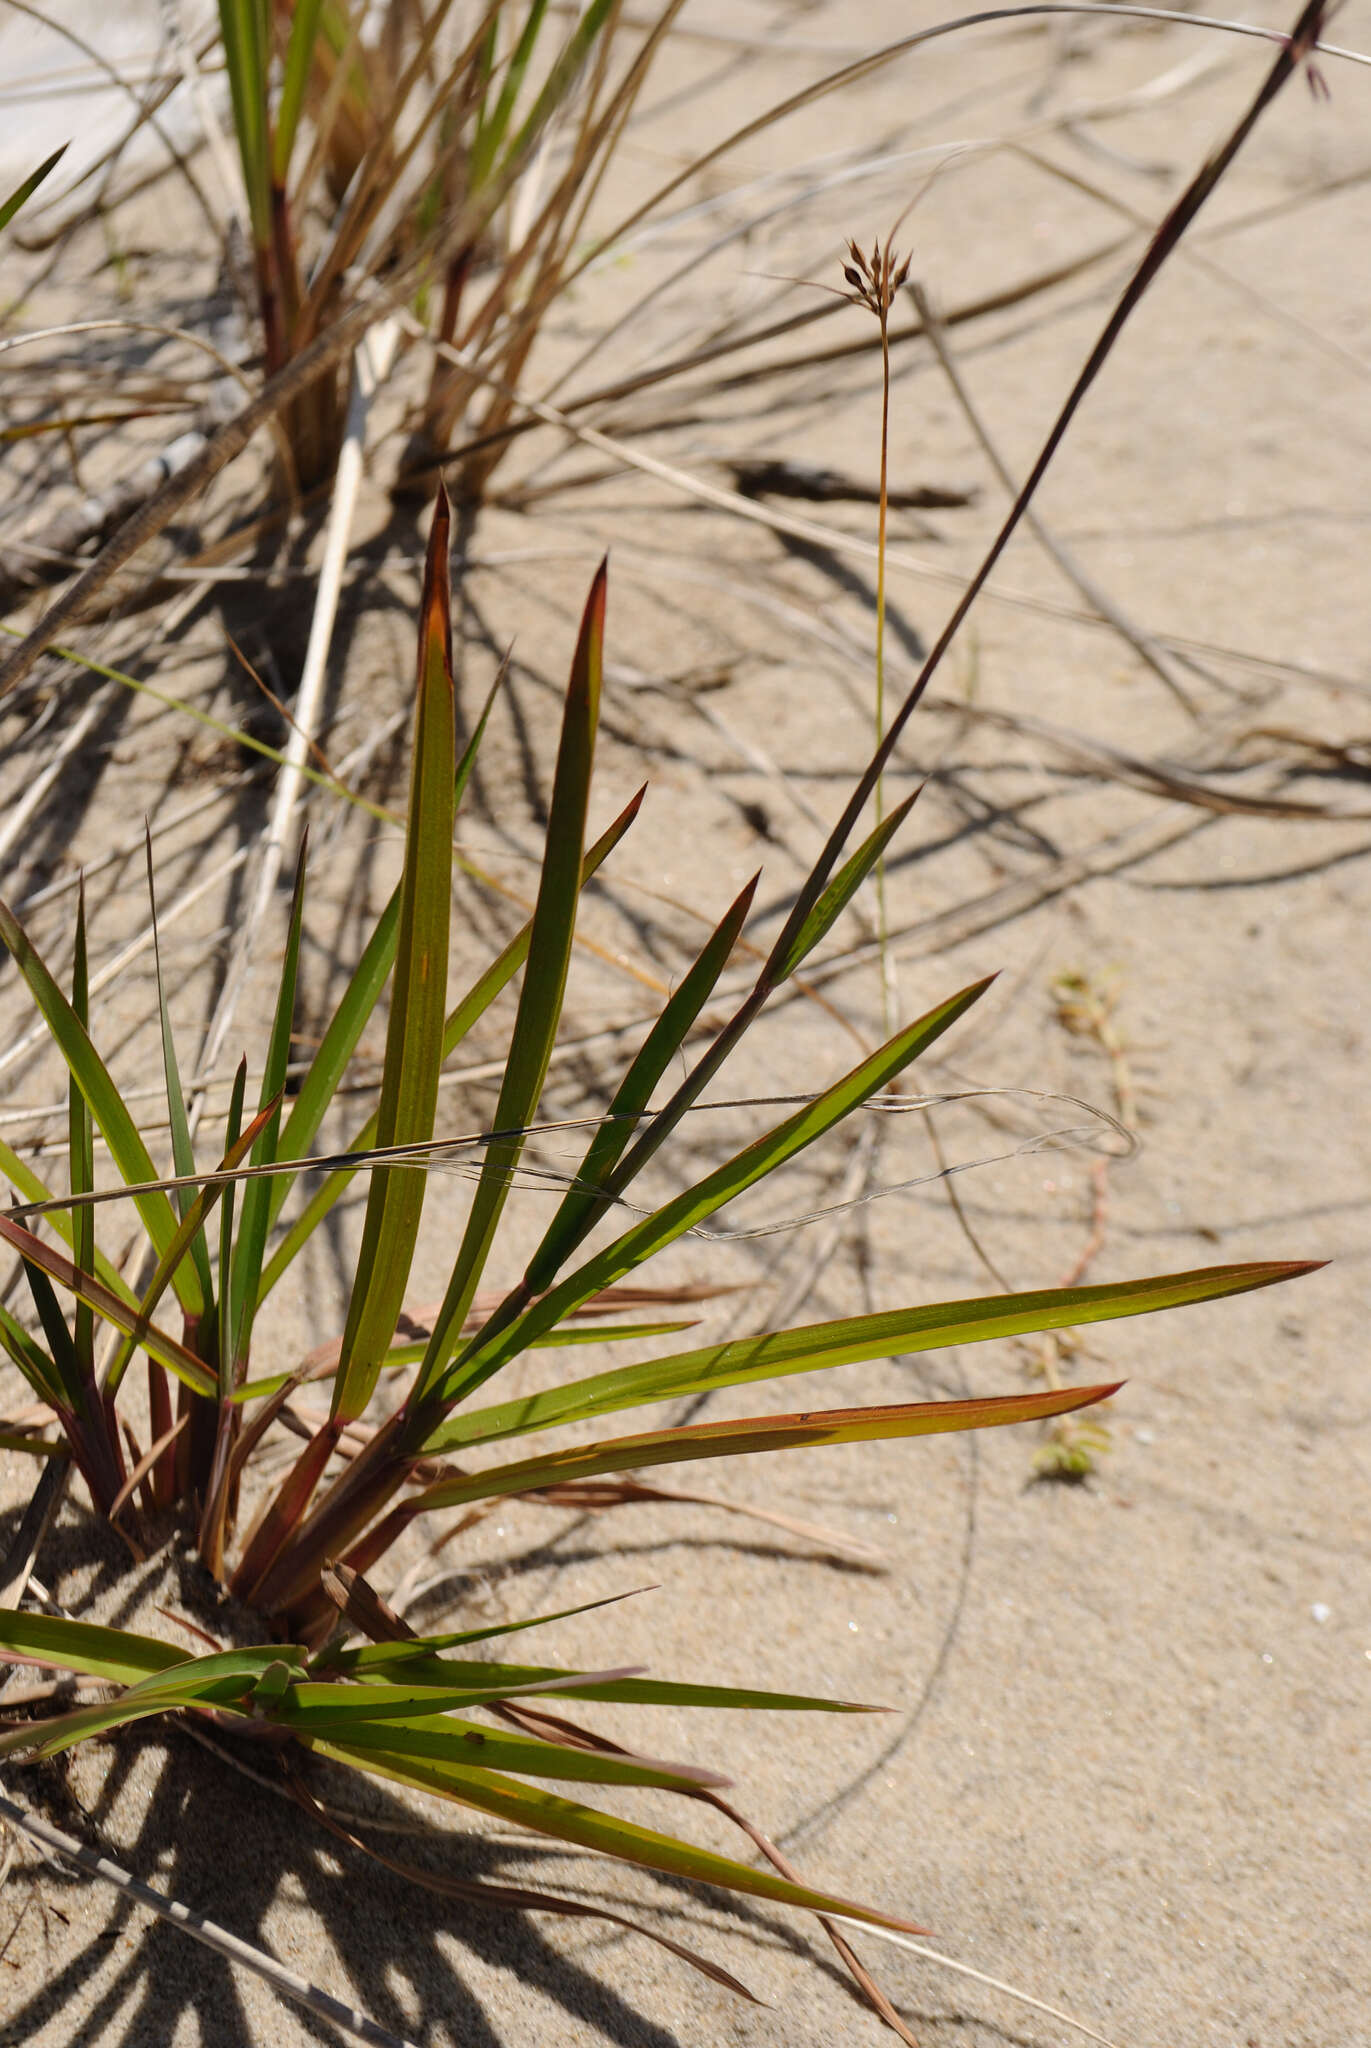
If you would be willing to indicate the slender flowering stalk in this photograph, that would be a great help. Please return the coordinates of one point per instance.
(874, 281)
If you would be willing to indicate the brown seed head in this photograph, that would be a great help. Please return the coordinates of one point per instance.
(875, 278)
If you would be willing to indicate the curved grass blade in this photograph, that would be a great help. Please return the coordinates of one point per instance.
(394, 1642)
(32, 1446)
(120, 1133)
(183, 1154)
(554, 1340)
(36, 1192)
(446, 1744)
(414, 1664)
(540, 999)
(123, 1314)
(675, 1217)
(607, 1333)
(782, 1353)
(81, 1151)
(226, 1681)
(33, 1362)
(701, 1440)
(249, 1244)
(581, 1208)
(189, 1233)
(233, 1130)
(840, 892)
(567, 1821)
(23, 193)
(72, 1382)
(116, 1655)
(414, 1040)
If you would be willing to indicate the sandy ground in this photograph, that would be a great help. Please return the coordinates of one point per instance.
(1125, 1766)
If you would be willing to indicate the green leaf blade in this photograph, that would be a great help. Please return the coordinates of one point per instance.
(545, 977)
(567, 1821)
(820, 1346)
(81, 1151)
(24, 192)
(191, 1231)
(445, 1743)
(644, 1239)
(582, 1206)
(247, 54)
(121, 1134)
(249, 1247)
(114, 1308)
(183, 1154)
(499, 1680)
(840, 892)
(414, 1040)
(468, 1012)
(304, 27)
(116, 1655)
(704, 1440)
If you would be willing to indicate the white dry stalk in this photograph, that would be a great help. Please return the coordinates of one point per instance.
(370, 367)
(231, 1946)
(371, 362)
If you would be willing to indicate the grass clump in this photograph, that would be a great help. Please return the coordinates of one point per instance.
(357, 1485)
(369, 138)
(297, 1552)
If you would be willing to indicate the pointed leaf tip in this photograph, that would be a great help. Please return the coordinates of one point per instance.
(595, 602)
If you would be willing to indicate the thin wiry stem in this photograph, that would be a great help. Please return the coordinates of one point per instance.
(875, 279)
(888, 1000)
